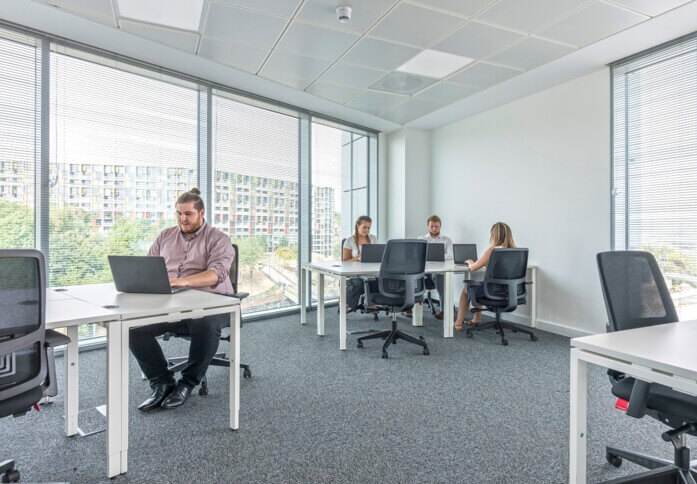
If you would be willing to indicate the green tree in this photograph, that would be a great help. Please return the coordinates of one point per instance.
(252, 249)
(283, 242)
(18, 226)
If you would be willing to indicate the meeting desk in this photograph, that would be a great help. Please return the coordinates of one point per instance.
(345, 270)
(662, 354)
(119, 312)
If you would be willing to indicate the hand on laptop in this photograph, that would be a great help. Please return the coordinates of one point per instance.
(177, 282)
(469, 262)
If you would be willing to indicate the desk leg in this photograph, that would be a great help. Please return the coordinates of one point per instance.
(533, 306)
(320, 305)
(114, 402)
(342, 313)
(417, 315)
(303, 295)
(577, 424)
(125, 335)
(235, 368)
(72, 398)
(448, 306)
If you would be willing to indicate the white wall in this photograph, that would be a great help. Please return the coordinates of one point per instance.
(541, 164)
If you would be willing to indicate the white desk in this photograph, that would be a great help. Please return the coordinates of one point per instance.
(84, 304)
(661, 354)
(345, 270)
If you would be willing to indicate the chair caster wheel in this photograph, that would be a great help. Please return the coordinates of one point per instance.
(533, 337)
(203, 391)
(469, 335)
(426, 352)
(247, 373)
(504, 342)
(11, 476)
(384, 354)
(359, 344)
(614, 460)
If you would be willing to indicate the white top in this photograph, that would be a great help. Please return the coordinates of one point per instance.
(441, 239)
(349, 243)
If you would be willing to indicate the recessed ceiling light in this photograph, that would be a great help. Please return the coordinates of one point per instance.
(432, 63)
(179, 14)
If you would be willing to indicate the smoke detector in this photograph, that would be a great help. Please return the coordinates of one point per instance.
(343, 14)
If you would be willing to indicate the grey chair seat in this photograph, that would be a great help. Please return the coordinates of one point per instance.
(22, 403)
(661, 398)
(381, 300)
(54, 338)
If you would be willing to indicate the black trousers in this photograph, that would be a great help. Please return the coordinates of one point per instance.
(205, 336)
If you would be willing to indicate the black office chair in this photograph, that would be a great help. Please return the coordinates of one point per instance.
(178, 363)
(636, 295)
(429, 300)
(27, 365)
(504, 290)
(400, 285)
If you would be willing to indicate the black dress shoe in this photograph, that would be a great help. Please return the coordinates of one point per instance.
(178, 396)
(159, 393)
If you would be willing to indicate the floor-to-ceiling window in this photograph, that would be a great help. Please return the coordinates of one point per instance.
(654, 182)
(19, 137)
(255, 196)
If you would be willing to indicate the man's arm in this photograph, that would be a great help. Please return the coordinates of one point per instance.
(206, 278)
(220, 259)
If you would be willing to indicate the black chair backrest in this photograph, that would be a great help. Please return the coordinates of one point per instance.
(402, 270)
(504, 279)
(235, 268)
(23, 365)
(635, 292)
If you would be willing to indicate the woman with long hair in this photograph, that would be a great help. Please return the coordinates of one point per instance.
(501, 238)
(361, 236)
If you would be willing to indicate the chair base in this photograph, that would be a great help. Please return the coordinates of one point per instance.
(661, 470)
(8, 473)
(500, 326)
(391, 337)
(178, 363)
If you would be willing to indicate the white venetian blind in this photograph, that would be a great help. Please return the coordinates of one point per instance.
(655, 160)
(20, 96)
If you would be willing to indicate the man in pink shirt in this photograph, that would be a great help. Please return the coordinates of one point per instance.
(197, 256)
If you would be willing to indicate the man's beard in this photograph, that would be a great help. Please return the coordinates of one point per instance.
(191, 228)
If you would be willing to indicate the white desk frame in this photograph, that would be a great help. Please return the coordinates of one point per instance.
(345, 270)
(84, 304)
(661, 354)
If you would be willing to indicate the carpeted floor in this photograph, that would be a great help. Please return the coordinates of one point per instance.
(473, 411)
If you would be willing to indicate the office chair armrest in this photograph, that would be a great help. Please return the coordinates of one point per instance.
(54, 338)
(239, 295)
(638, 399)
(472, 283)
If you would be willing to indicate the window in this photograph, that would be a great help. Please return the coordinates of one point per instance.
(251, 147)
(109, 119)
(19, 137)
(654, 152)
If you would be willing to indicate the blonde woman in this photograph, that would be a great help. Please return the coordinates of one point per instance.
(501, 238)
(361, 236)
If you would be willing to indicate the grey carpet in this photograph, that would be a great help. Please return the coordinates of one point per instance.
(472, 411)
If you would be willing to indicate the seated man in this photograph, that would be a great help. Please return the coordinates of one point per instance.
(197, 256)
(434, 237)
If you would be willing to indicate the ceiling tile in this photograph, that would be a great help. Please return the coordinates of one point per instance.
(110, 21)
(531, 53)
(483, 75)
(238, 25)
(376, 102)
(284, 8)
(101, 8)
(245, 57)
(339, 94)
(651, 7)
(476, 40)
(316, 42)
(364, 13)
(410, 110)
(446, 93)
(463, 7)
(179, 39)
(403, 83)
(291, 69)
(593, 23)
(415, 25)
(183, 15)
(351, 76)
(529, 15)
(379, 54)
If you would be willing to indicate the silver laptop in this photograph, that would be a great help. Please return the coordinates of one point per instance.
(435, 252)
(463, 252)
(141, 274)
(372, 252)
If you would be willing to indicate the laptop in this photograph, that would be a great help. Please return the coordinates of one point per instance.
(372, 252)
(463, 252)
(141, 274)
(435, 252)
